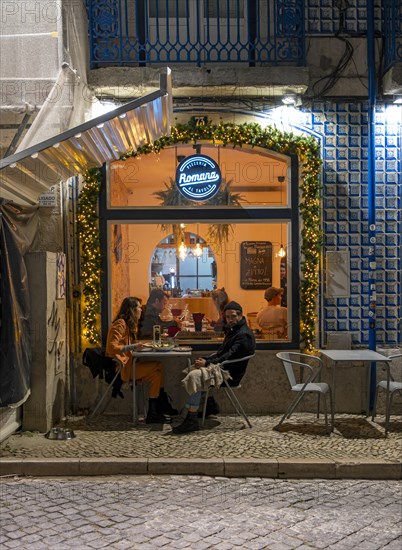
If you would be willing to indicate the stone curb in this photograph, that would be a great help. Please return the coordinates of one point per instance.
(290, 468)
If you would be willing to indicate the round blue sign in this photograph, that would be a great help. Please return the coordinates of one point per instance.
(198, 178)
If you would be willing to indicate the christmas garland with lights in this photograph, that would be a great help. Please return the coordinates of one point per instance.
(88, 229)
(226, 134)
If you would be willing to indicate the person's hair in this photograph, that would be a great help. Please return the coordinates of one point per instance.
(156, 294)
(220, 298)
(127, 312)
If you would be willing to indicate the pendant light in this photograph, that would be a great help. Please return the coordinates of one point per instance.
(182, 251)
(281, 252)
(198, 249)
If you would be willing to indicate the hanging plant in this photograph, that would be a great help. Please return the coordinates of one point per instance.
(227, 134)
(218, 233)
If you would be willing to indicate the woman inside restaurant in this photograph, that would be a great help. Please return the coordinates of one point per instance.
(220, 300)
(273, 319)
(122, 333)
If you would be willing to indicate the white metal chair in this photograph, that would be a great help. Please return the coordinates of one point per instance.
(391, 387)
(228, 389)
(291, 360)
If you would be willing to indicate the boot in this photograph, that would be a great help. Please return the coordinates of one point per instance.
(153, 416)
(164, 406)
(189, 424)
(212, 408)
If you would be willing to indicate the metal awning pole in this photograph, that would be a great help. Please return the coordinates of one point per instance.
(371, 188)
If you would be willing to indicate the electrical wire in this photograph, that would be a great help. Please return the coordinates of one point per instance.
(345, 59)
(336, 74)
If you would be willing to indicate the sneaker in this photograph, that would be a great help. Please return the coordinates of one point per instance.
(212, 408)
(190, 424)
(155, 418)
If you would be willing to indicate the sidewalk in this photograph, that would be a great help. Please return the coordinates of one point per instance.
(107, 445)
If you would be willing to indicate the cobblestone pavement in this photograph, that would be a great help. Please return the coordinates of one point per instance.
(223, 437)
(198, 513)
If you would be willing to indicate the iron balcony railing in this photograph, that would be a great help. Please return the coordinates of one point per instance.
(141, 32)
(392, 32)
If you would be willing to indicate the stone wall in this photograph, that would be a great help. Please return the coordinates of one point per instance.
(265, 388)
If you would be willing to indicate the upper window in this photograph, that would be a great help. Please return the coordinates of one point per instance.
(255, 177)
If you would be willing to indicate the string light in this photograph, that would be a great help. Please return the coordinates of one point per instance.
(305, 147)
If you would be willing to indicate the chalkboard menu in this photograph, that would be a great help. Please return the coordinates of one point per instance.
(255, 265)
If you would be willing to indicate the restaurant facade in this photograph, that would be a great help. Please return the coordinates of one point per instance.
(229, 191)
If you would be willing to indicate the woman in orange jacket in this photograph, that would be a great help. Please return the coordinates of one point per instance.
(122, 333)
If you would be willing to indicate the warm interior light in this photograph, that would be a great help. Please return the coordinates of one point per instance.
(197, 250)
(281, 252)
(182, 251)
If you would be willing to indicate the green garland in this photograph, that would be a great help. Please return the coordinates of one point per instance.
(88, 229)
(306, 148)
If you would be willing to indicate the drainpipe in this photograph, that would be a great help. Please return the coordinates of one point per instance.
(371, 189)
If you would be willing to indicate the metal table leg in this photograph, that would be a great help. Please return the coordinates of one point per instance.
(135, 411)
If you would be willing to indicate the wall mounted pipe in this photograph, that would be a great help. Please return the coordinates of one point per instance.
(372, 230)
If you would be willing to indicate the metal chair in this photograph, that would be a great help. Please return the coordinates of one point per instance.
(391, 387)
(291, 360)
(229, 392)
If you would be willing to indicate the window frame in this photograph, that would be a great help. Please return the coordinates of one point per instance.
(289, 214)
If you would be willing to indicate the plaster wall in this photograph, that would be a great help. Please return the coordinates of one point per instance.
(323, 56)
(50, 234)
(46, 404)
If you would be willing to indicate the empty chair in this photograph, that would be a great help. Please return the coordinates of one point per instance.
(391, 387)
(228, 389)
(313, 365)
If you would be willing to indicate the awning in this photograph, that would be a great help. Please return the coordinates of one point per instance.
(34, 170)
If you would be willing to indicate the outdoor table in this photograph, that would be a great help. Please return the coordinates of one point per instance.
(359, 355)
(154, 354)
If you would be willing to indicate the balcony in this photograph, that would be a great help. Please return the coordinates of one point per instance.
(139, 33)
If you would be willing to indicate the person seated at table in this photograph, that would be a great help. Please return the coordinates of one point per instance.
(273, 318)
(122, 333)
(220, 300)
(239, 342)
(158, 279)
(156, 303)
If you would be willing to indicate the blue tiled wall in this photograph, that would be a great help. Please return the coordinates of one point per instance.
(343, 128)
(323, 16)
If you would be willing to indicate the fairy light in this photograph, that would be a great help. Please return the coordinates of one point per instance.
(305, 147)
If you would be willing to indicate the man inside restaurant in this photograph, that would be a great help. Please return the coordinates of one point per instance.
(156, 303)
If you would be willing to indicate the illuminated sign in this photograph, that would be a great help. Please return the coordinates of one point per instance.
(198, 178)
